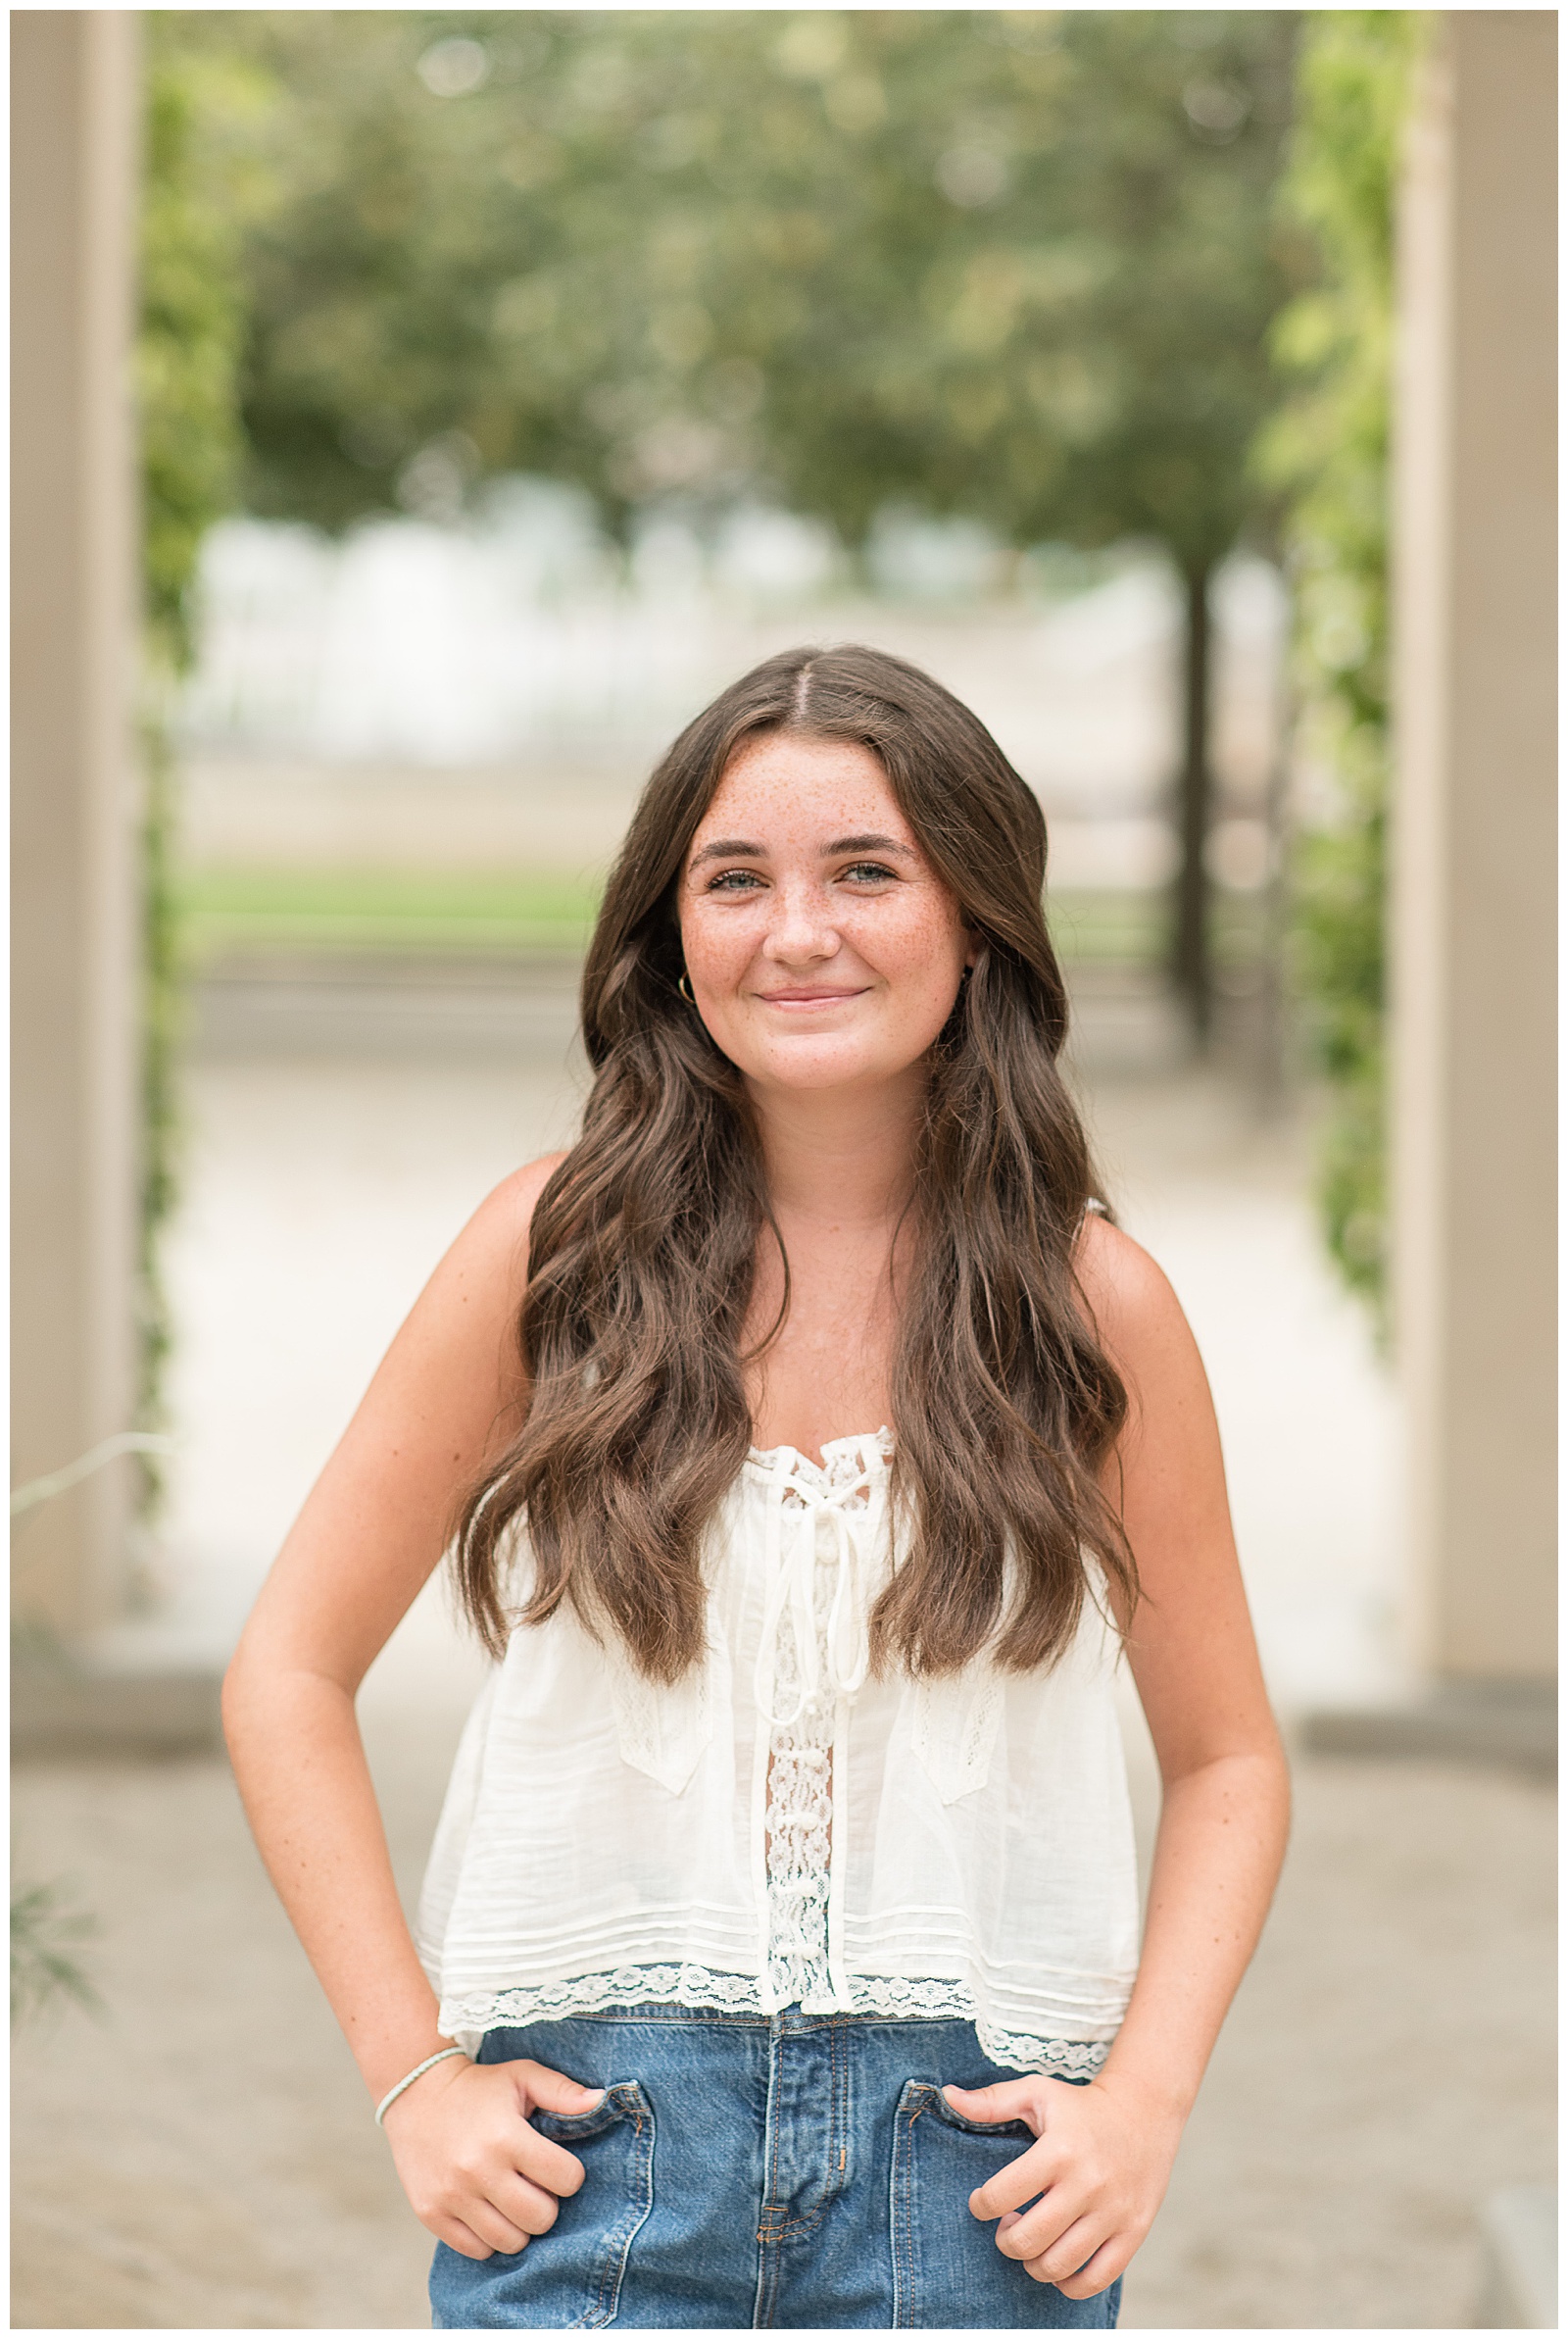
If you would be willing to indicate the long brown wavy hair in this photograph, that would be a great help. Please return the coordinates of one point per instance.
(644, 1243)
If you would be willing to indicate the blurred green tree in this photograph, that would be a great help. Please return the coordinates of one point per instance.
(1029, 276)
(1014, 266)
(1328, 451)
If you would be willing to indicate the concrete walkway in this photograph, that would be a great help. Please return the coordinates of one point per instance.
(204, 2155)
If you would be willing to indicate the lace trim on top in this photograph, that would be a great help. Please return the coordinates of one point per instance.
(891, 1997)
(822, 1520)
(800, 1804)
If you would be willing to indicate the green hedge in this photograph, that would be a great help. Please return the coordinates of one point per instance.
(196, 187)
(1328, 450)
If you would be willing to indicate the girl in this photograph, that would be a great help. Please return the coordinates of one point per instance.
(811, 1444)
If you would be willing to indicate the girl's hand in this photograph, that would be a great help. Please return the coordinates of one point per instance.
(474, 2171)
(1101, 2168)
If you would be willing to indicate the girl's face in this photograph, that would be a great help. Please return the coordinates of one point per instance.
(822, 947)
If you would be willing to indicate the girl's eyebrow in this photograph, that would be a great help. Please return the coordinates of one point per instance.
(729, 848)
(868, 844)
(740, 848)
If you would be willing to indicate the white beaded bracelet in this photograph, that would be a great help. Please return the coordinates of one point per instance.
(417, 2073)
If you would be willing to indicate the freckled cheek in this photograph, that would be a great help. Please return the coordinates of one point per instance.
(718, 950)
(918, 955)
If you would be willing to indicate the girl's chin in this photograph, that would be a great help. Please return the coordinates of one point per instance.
(804, 1067)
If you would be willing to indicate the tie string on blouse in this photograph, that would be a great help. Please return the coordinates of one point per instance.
(790, 1551)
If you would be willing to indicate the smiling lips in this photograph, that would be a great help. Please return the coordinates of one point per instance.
(800, 997)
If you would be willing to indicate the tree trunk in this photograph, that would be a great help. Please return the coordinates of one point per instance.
(1191, 965)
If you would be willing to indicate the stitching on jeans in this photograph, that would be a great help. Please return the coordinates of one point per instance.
(900, 2210)
(904, 2221)
(674, 2013)
(774, 2207)
(835, 2052)
(616, 2247)
(837, 2062)
(838, 2123)
(769, 2208)
(768, 2266)
(613, 2271)
(608, 2258)
(766, 2292)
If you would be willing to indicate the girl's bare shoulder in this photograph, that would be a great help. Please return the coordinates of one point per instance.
(491, 1254)
(509, 1208)
(1136, 1312)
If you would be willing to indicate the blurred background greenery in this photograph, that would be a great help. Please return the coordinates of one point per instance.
(1082, 279)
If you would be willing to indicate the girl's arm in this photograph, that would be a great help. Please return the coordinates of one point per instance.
(1104, 2151)
(371, 1532)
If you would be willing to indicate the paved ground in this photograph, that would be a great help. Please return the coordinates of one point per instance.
(204, 2156)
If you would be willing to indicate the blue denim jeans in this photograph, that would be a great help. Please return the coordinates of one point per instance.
(747, 2172)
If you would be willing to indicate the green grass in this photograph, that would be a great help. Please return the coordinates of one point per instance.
(1108, 929)
(223, 910)
(1132, 930)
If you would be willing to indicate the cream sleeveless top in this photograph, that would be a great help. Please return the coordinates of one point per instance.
(782, 1828)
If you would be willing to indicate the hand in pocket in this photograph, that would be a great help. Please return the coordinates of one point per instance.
(1099, 2168)
(474, 2169)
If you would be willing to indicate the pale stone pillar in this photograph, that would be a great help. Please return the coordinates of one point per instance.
(1475, 849)
(74, 123)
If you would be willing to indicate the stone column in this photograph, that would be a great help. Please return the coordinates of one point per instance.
(73, 123)
(1474, 981)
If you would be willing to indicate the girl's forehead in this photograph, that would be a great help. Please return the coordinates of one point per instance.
(797, 784)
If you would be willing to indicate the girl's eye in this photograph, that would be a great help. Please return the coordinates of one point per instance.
(734, 880)
(866, 873)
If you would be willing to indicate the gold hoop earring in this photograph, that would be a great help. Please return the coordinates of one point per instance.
(685, 989)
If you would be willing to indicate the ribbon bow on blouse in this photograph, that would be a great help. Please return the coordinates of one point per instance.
(792, 1566)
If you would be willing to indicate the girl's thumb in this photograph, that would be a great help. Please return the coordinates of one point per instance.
(985, 2102)
(553, 2091)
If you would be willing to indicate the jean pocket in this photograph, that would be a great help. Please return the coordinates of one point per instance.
(948, 2273)
(570, 2278)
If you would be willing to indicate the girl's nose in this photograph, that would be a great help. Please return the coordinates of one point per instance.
(802, 926)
